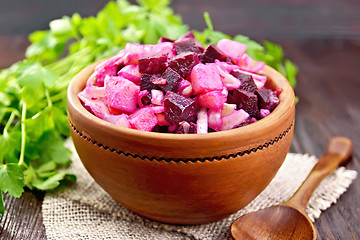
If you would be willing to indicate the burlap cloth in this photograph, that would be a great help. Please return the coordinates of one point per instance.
(85, 211)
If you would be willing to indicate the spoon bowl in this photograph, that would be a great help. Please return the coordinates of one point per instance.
(270, 222)
(289, 219)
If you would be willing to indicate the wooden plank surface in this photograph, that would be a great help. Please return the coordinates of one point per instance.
(322, 39)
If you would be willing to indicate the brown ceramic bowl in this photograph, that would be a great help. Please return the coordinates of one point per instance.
(183, 178)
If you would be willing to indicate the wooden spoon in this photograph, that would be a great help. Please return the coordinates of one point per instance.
(289, 220)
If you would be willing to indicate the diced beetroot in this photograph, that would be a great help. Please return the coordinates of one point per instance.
(244, 100)
(179, 108)
(187, 45)
(213, 100)
(173, 126)
(188, 35)
(165, 39)
(121, 94)
(184, 63)
(130, 72)
(186, 128)
(161, 129)
(172, 81)
(216, 87)
(157, 97)
(247, 82)
(153, 64)
(185, 88)
(205, 78)
(267, 99)
(233, 49)
(234, 119)
(134, 51)
(143, 119)
(145, 100)
(259, 80)
(212, 52)
(214, 119)
(146, 82)
(202, 121)
(278, 91)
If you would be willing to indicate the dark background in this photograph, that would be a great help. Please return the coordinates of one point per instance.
(295, 19)
(321, 36)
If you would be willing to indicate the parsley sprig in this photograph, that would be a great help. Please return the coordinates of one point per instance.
(33, 121)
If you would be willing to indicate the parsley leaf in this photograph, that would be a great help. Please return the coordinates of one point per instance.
(12, 179)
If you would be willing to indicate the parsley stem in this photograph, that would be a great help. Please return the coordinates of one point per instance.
(23, 136)
(59, 96)
(48, 98)
(208, 21)
(9, 122)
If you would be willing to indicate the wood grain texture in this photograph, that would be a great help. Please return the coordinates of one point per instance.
(323, 42)
(328, 89)
(23, 218)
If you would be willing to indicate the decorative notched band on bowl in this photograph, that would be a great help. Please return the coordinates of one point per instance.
(238, 154)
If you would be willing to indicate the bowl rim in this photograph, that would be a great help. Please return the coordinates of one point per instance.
(286, 97)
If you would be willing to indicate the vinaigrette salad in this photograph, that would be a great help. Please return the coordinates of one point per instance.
(178, 86)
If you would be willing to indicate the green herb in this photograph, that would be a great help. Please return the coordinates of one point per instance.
(33, 121)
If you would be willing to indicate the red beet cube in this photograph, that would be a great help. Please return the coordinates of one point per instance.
(165, 39)
(188, 35)
(153, 64)
(186, 128)
(146, 99)
(146, 82)
(267, 99)
(211, 53)
(184, 63)
(179, 108)
(244, 100)
(172, 81)
(247, 81)
(188, 45)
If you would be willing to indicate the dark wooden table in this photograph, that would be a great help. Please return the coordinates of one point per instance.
(321, 37)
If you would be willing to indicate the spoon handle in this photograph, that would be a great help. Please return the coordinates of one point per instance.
(338, 152)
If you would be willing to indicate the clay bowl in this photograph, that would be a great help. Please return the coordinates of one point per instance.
(183, 178)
